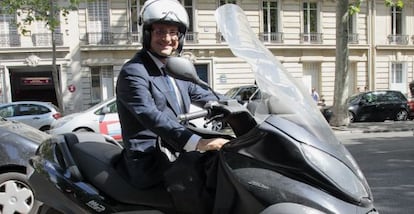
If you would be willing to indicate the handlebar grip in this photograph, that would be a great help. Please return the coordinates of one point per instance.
(192, 115)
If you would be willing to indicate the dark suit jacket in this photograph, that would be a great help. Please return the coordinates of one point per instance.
(146, 112)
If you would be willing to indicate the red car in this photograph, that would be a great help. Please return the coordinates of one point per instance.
(411, 106)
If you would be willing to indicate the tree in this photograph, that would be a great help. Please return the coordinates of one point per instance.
(47, 11)
(343, 10)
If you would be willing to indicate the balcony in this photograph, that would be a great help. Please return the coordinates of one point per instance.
(45, 39)
(191, 37)
(398, 39)
(10, 40)
(271, 37)
(353, 38)
(134, 37)
(99, 38)
(313, 38)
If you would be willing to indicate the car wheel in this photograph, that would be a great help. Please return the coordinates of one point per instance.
(216, 125)
(401, 115)
(16, 196)
(83, 130)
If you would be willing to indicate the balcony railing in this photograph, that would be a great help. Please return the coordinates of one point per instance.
(271, 37)
(398, 39)
(134, 37)
(191, 37)
(10, 40)
(45, 39)
(353, 38)
(100, 38)
(314, 38)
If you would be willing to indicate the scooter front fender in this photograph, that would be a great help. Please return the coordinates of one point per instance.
(293, 208)
(290, 208)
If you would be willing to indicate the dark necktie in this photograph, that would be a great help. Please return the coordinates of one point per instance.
(172, 93)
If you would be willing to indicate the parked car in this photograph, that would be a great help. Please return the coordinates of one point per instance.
(411, 106)
(18, 143)
(103, 118)
(241, 93)
(39, 115)
(378, 105)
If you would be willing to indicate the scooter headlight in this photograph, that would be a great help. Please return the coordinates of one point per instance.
(336, 170)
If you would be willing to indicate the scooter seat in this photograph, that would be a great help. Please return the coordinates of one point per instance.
(97, 162)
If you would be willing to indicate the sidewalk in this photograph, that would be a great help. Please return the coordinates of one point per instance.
(369, 127)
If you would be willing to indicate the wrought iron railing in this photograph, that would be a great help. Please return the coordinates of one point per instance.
(398, 39)
(191, 37)
(353, 38)
(274, 37)
(10, 40)
(45, 39)
(315, 38)
(100, 38)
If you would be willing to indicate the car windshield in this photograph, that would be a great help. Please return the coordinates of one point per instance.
(353, 98)
(232, 92)
(282, 94)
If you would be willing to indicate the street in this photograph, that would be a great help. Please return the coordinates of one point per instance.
(387, 160)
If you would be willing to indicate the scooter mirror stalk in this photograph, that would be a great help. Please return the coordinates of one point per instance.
(181, 68)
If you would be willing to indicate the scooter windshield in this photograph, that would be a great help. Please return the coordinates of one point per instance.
(283, 94)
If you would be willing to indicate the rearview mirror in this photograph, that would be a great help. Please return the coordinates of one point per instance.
(181, 68)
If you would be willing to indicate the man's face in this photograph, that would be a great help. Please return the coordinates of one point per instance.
(164, 39)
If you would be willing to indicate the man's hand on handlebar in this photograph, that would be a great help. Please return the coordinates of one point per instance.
(211, 144)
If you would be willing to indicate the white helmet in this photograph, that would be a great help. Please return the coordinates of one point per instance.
(163, 11)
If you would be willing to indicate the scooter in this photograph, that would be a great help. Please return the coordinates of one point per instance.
(282, 158)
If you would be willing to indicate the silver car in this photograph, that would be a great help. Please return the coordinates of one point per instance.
(102, 118)
(37, 114)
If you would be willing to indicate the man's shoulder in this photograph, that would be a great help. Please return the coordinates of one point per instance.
(137, 58)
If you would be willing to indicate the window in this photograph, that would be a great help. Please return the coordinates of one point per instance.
(396, 20)
(191, 34)
(222, 2)
(8, 111)
(397, 36)
(8, 30)
(102, 83)
(310, 23)
(397, 73)
(398, 76)
(270, 12)
(135, 10)
(43, 35)
(220, 37)
(95, 85)
(98, 22)
(352, 29)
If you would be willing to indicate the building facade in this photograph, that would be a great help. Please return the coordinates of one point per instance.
(94, 42)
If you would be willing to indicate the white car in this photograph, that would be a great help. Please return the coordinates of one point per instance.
(102, 118)
(37, 114)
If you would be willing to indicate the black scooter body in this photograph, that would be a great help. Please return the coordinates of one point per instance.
(262, 170)
(72, 189)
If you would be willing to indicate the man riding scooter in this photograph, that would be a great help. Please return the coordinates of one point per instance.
(149, 102)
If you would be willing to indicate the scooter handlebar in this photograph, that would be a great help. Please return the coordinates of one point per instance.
(192, 115)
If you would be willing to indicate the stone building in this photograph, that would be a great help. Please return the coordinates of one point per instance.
(94, 42)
